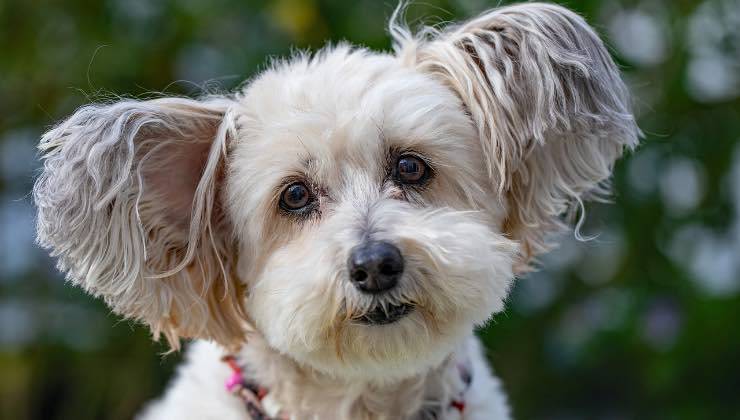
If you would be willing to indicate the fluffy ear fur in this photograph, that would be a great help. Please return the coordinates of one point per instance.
(128, 201)
(551, 109)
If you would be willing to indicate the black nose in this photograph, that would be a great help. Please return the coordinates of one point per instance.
(375, 266)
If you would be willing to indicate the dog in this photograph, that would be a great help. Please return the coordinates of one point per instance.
(330, 234)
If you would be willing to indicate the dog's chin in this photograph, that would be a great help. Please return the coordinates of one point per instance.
(385, 343)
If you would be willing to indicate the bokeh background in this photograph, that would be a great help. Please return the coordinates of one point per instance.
(639, 323)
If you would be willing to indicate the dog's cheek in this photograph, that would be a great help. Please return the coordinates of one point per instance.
(295, 300)
(465, 269)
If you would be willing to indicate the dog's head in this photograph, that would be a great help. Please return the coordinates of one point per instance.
(362, 211)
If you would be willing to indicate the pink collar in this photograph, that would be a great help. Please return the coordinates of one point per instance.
(253, 395)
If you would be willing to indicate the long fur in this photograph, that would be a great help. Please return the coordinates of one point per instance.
(120, 238)
(170, 209)
(551, 109)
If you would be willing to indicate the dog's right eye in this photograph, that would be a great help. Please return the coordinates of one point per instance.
(411, 169)
(295, 197)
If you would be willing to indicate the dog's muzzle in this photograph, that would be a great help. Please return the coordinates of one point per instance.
(376, 267)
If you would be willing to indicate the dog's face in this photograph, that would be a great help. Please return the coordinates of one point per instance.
(362, 211)
(356, 185)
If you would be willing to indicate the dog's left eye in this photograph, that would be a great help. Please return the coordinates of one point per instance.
(411, 170)
(295, 197)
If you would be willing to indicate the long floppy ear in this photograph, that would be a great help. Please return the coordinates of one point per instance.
(129, 202)
(551, 109)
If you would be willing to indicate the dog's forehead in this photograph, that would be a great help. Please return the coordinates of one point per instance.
(345, 109)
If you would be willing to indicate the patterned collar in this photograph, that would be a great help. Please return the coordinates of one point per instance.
(260, 406)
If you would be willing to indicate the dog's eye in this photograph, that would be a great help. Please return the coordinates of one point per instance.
(295, 197)
(411, 170)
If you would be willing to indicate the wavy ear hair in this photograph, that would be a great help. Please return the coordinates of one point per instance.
(128, 201)
(551, 109)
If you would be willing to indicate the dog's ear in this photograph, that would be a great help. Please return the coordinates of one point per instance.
(129, 202)
(550, 107)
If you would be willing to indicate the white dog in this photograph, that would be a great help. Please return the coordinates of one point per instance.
(341, 224)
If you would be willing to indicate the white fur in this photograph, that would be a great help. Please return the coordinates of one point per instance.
(168, 209)
(198, 391)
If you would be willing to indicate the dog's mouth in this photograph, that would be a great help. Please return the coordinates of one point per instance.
(388, 314)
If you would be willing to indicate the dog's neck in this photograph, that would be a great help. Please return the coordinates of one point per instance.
(303, 392)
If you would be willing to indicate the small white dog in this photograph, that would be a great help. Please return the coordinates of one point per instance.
(341, 224)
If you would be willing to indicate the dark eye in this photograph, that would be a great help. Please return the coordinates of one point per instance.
(411, 170)
(295, 196)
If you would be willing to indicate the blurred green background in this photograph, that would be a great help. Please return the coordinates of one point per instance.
(641, 322)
